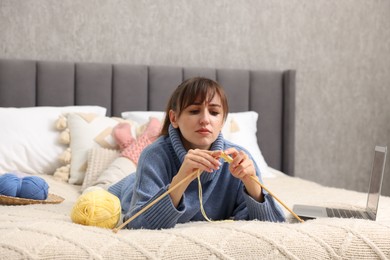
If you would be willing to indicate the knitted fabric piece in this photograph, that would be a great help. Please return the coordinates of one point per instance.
(152, 130)
(122, 135)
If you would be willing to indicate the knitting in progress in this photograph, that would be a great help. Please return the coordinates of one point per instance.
(197, 173)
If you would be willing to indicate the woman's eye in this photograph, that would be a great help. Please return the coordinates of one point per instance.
(214, 113)
(194, 111)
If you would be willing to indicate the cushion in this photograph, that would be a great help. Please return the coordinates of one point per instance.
(83, 133)
(239, 128)
(142, 117)
(88, 131)
(29, 140)
(106, 167)
(99, 159)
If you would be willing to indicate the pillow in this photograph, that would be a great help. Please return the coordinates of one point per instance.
(88, 131)
(99, 159)
(106, 167)
(84, 132)
(142, 117)
(29, 140)
(239, 128)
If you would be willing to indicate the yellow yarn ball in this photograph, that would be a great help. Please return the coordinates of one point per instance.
(97, 208)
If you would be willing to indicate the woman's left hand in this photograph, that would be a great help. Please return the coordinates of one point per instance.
(242, 166)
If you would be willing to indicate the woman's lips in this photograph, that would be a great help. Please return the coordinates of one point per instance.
(203, 131)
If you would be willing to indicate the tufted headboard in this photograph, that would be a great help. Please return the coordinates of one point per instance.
(125, 87)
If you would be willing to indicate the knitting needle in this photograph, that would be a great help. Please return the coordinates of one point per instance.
(192, 175)
(229, 159)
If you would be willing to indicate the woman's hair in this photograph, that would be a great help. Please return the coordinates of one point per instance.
(188, 92)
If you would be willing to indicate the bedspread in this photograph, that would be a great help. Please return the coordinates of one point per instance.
(46, 231)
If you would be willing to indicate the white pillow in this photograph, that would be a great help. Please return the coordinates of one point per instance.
(239, 128)
(142, 117)
(85, 133)
(88, 131)
(29, 140)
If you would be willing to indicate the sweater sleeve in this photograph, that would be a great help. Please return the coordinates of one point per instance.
(161, 215)
(265, 211)
(152, 180)
(248, 208)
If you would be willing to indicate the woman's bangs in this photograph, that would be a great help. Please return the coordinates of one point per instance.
(195, 93)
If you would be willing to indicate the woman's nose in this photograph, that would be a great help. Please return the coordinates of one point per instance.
(205, 117)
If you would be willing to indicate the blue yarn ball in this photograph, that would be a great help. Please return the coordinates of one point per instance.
(34, 187)
(10, 184)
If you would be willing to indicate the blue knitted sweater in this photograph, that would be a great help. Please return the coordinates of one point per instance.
(224, 196)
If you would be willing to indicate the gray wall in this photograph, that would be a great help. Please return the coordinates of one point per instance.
(340, 48)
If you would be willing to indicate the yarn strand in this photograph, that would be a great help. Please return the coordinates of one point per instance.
(229, 159)
(115, 230)
(201, 199)
(197, 173)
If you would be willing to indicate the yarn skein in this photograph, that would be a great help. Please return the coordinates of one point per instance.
(29, 187)
(10, 185)
(97, 208)
(33, 187)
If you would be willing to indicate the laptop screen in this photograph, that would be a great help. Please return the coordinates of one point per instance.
(378, 168)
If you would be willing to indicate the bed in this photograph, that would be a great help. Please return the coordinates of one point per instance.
(35, 95)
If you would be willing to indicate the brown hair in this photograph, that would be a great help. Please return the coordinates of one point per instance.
(187, 93)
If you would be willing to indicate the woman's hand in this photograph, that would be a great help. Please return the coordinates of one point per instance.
(195, 159)
(203, 160)
(242, 167)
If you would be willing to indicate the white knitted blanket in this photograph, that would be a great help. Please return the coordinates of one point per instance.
(46, 232)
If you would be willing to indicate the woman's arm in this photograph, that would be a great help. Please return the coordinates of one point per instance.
(242, 167)
(253, 203)
(154, 177)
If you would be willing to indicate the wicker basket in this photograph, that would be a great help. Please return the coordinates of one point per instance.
(51, 199)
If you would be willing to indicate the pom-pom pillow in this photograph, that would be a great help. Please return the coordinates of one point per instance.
(239, 128)
(29, 140)
(88, 131)
(83, 133)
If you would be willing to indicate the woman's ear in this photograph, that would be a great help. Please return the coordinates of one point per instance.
(173, 118)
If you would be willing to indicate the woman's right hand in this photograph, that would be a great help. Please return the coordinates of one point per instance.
(195, 159)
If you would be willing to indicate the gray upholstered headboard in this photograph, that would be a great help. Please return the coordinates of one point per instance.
(124, 87)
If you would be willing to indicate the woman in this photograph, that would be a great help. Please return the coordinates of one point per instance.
(191, 140)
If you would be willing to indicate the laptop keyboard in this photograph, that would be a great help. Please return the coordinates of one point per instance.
(344, 213)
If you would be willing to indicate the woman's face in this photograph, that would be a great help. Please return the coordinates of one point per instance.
(199, 123)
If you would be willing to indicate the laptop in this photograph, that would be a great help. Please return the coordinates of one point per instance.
(374, 191)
